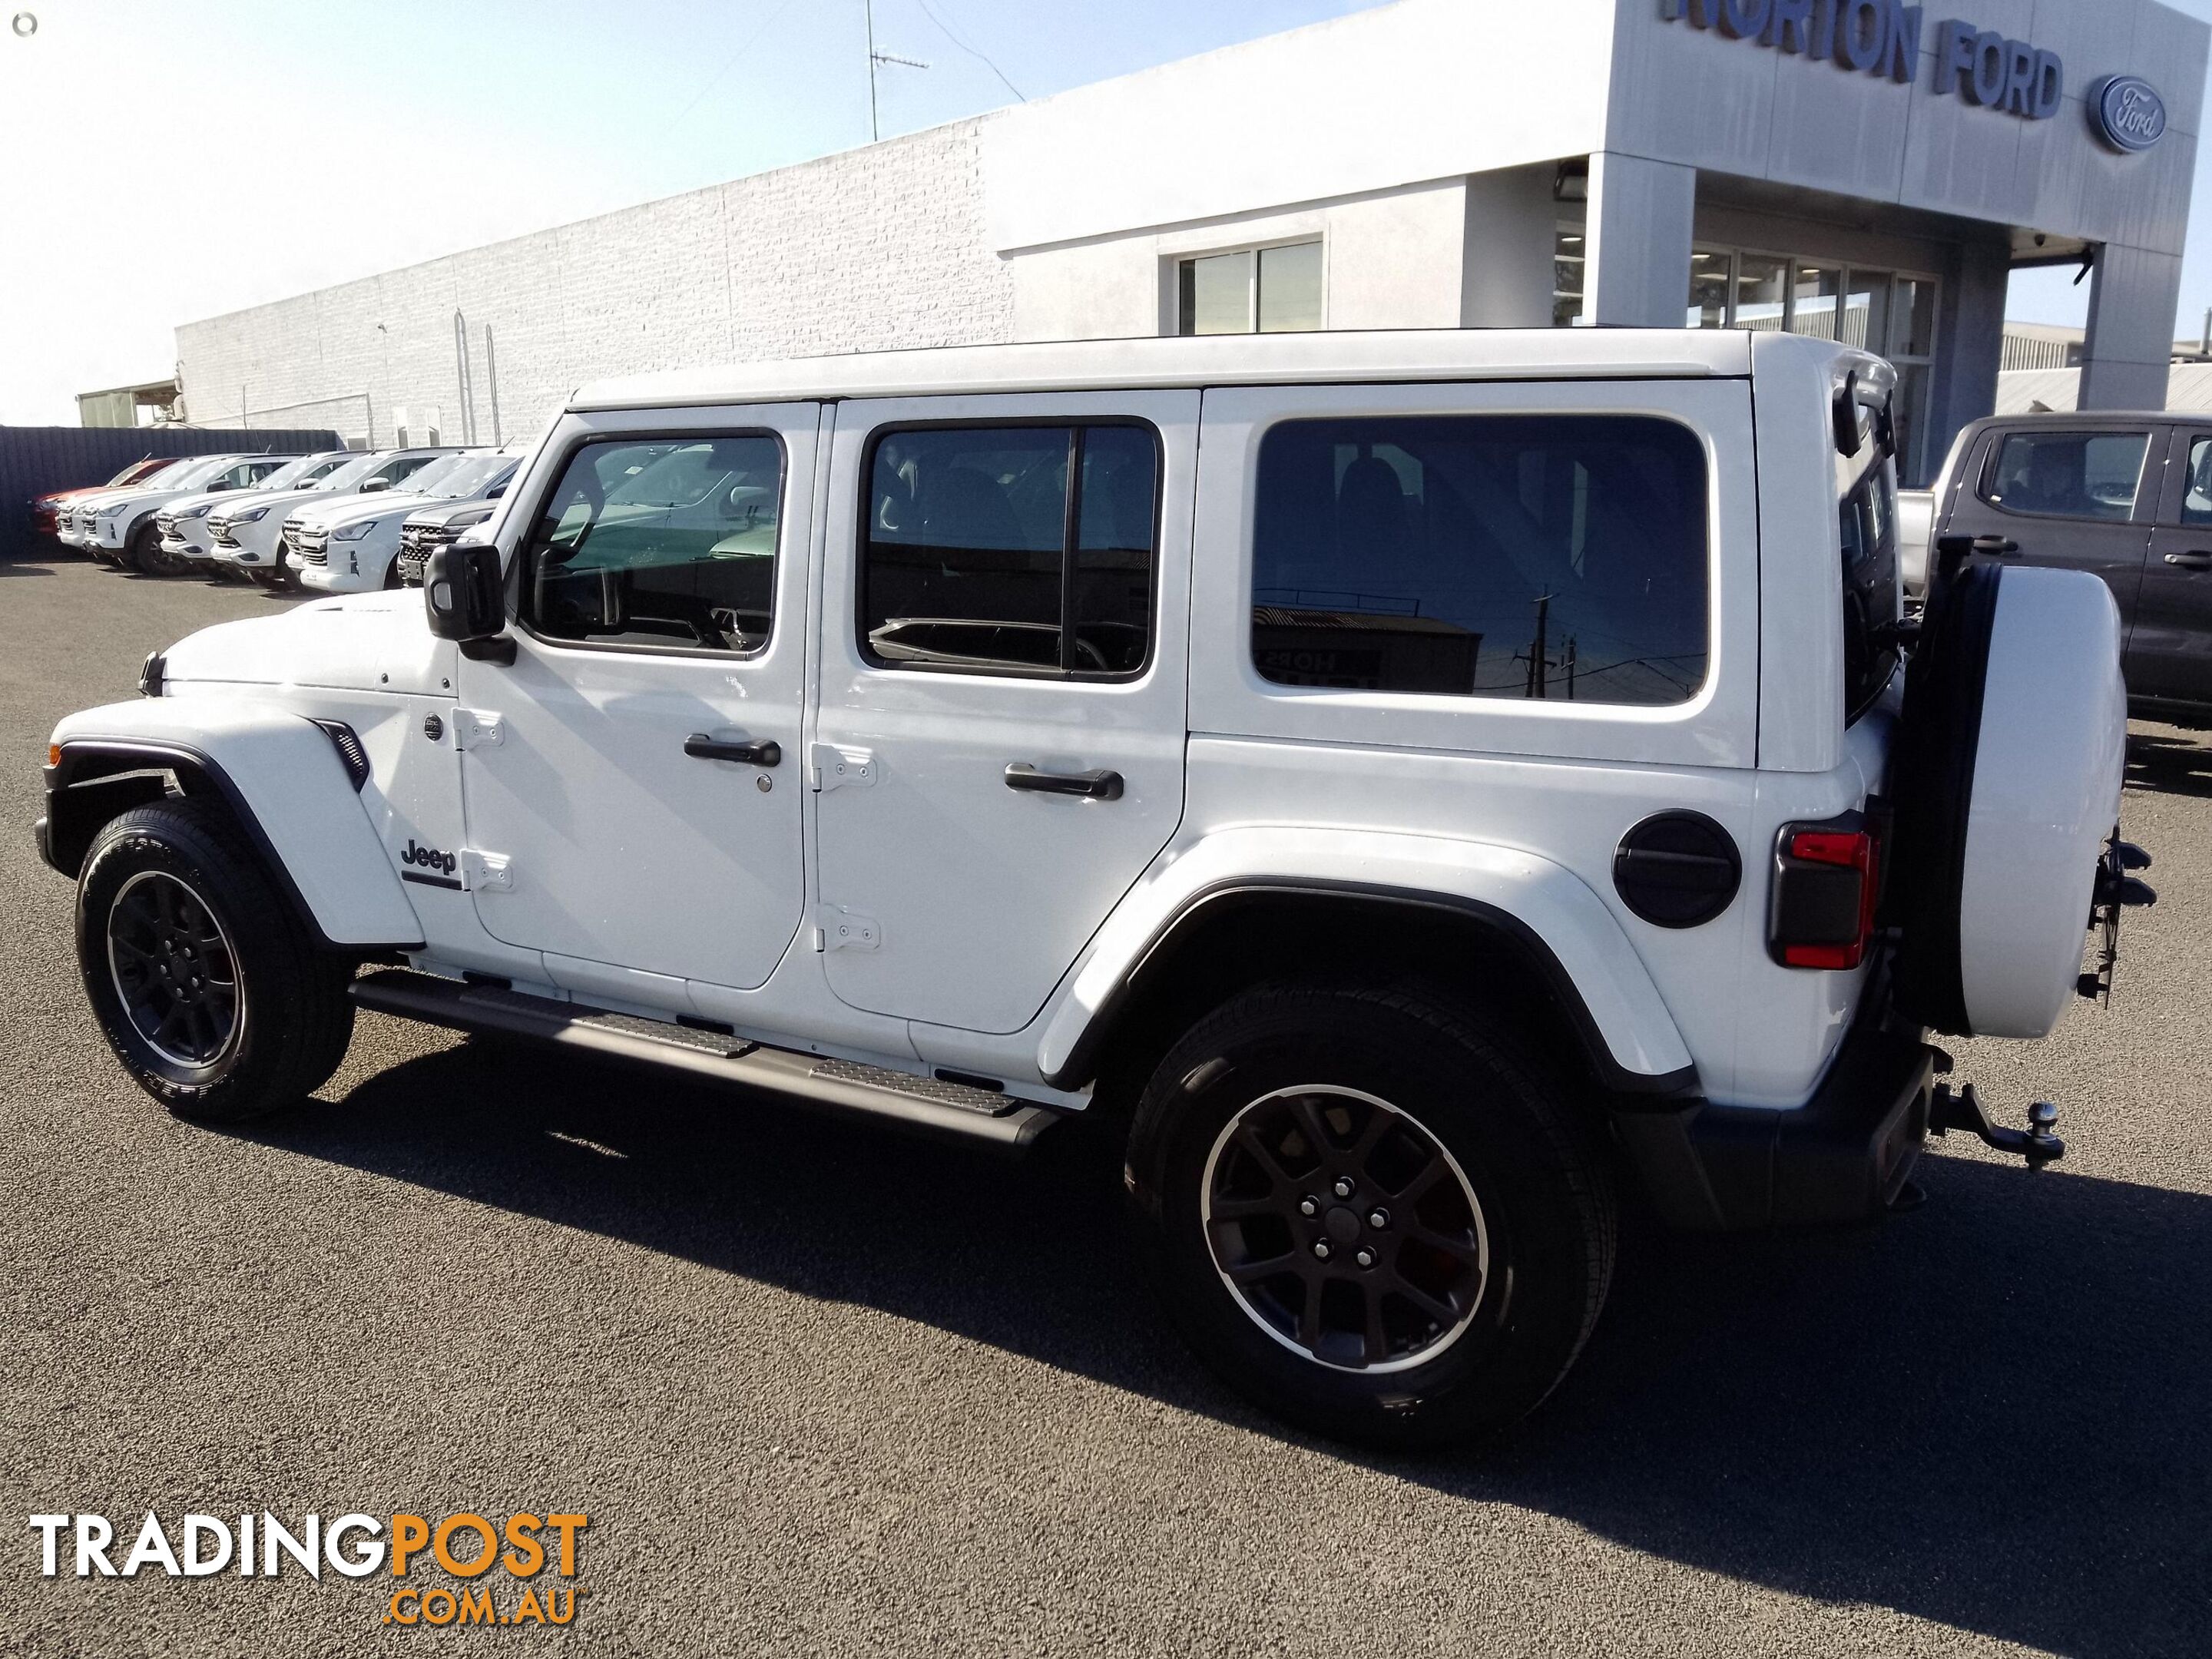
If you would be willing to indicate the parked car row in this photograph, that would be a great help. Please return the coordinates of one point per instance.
(334, 522)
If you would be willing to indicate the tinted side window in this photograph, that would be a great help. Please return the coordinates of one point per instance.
(659, 541)
(2196, 504)
(1867, 521)
(2069, 475)
(977, 556)
(1486, 555)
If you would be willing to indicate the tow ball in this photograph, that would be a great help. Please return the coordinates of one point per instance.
(2039, 1143)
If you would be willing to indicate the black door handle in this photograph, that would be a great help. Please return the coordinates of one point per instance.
(1093, 786)
(2190, 560)
(767, 752)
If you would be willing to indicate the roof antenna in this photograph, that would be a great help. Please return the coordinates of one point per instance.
(875, 132)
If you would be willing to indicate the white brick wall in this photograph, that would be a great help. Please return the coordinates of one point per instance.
(877, 247)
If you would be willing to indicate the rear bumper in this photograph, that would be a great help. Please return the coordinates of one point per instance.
(1841, 1156)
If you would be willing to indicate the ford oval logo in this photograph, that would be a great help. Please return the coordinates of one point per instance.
(2127, 112)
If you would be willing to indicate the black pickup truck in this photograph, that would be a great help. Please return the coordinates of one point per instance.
(2128, 496)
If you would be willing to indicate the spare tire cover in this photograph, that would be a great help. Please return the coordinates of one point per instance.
(2007, 782)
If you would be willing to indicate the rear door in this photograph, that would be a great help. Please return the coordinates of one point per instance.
(2077, 498)
(1001, 736)
(2169, 645)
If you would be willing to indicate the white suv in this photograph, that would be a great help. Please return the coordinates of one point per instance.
(351, 546)
(249, 538)
(1414, 783)
(116, 526)
(184, 543)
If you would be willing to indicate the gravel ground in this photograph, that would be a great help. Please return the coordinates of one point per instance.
(822, 1391)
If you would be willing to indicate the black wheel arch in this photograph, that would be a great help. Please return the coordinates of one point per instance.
(94, 782)
(1227, 938)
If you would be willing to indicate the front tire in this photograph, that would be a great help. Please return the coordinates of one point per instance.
(1370, 1213)
(209, 989)
(148, 556)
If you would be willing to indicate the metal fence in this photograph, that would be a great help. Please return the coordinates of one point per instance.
(36, 460)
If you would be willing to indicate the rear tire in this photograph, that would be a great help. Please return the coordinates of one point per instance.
(208, 987)
(1456, 1315)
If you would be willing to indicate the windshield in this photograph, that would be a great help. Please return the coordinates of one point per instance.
(197, 471)
(425, 479)
(139, 470)
(293, 474)
(348, 473)
(472, 477)
(175, 473)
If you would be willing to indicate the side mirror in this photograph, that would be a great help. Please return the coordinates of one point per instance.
(370, 486)
(466, 598)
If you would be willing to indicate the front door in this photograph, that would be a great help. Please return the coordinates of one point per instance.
(1001, 725)
(2170, 646)
(2077, 500)
(632, 780)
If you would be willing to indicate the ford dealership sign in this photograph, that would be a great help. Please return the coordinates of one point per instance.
(2127, 112)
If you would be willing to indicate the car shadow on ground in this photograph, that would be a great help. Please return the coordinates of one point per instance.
(1989, 1413)
(2170, 763)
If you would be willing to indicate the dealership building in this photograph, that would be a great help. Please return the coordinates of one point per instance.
(1861, 169)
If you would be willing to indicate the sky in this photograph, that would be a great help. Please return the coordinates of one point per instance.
(163, 161)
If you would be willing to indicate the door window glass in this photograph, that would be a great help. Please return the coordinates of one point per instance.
(2197, 503)
(976, 558)
(1485, 555)
(1709, 289)
(1762, 285)
(661, 542)
(2069, 475)
(1866, 310)
(1813, 302)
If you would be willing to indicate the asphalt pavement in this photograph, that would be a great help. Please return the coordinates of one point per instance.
(824, 1391)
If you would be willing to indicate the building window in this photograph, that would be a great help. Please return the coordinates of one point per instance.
(1567, 277)
(1266, 290)
(1890, 313)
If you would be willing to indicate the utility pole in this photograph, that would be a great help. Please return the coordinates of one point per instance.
(1538, 667)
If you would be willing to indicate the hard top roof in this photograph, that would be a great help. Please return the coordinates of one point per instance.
(1403, 355)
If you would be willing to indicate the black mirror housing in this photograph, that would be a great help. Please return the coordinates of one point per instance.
(465, 592)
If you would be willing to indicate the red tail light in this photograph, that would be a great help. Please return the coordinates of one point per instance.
(1827, 882)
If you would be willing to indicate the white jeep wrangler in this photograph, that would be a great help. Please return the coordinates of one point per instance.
(1427, 781)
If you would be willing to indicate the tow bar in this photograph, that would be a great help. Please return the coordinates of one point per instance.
(1963, 1109)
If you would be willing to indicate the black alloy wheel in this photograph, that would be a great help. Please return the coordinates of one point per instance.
(1344, 1229)
(214, 991)
(147, 555)
(174, 972)
(1370, 1209)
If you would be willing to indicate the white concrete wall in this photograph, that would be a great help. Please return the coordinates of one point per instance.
(876, 248)
(1392, 259)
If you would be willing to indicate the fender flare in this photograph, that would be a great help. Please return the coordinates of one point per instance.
(281, 777)
(1586, 959)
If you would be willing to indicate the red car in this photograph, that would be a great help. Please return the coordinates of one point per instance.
(45, 507)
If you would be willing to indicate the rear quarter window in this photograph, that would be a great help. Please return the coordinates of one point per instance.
(1867, 522)
(1484, 556)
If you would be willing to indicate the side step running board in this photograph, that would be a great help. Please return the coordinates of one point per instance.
(898, 1098)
